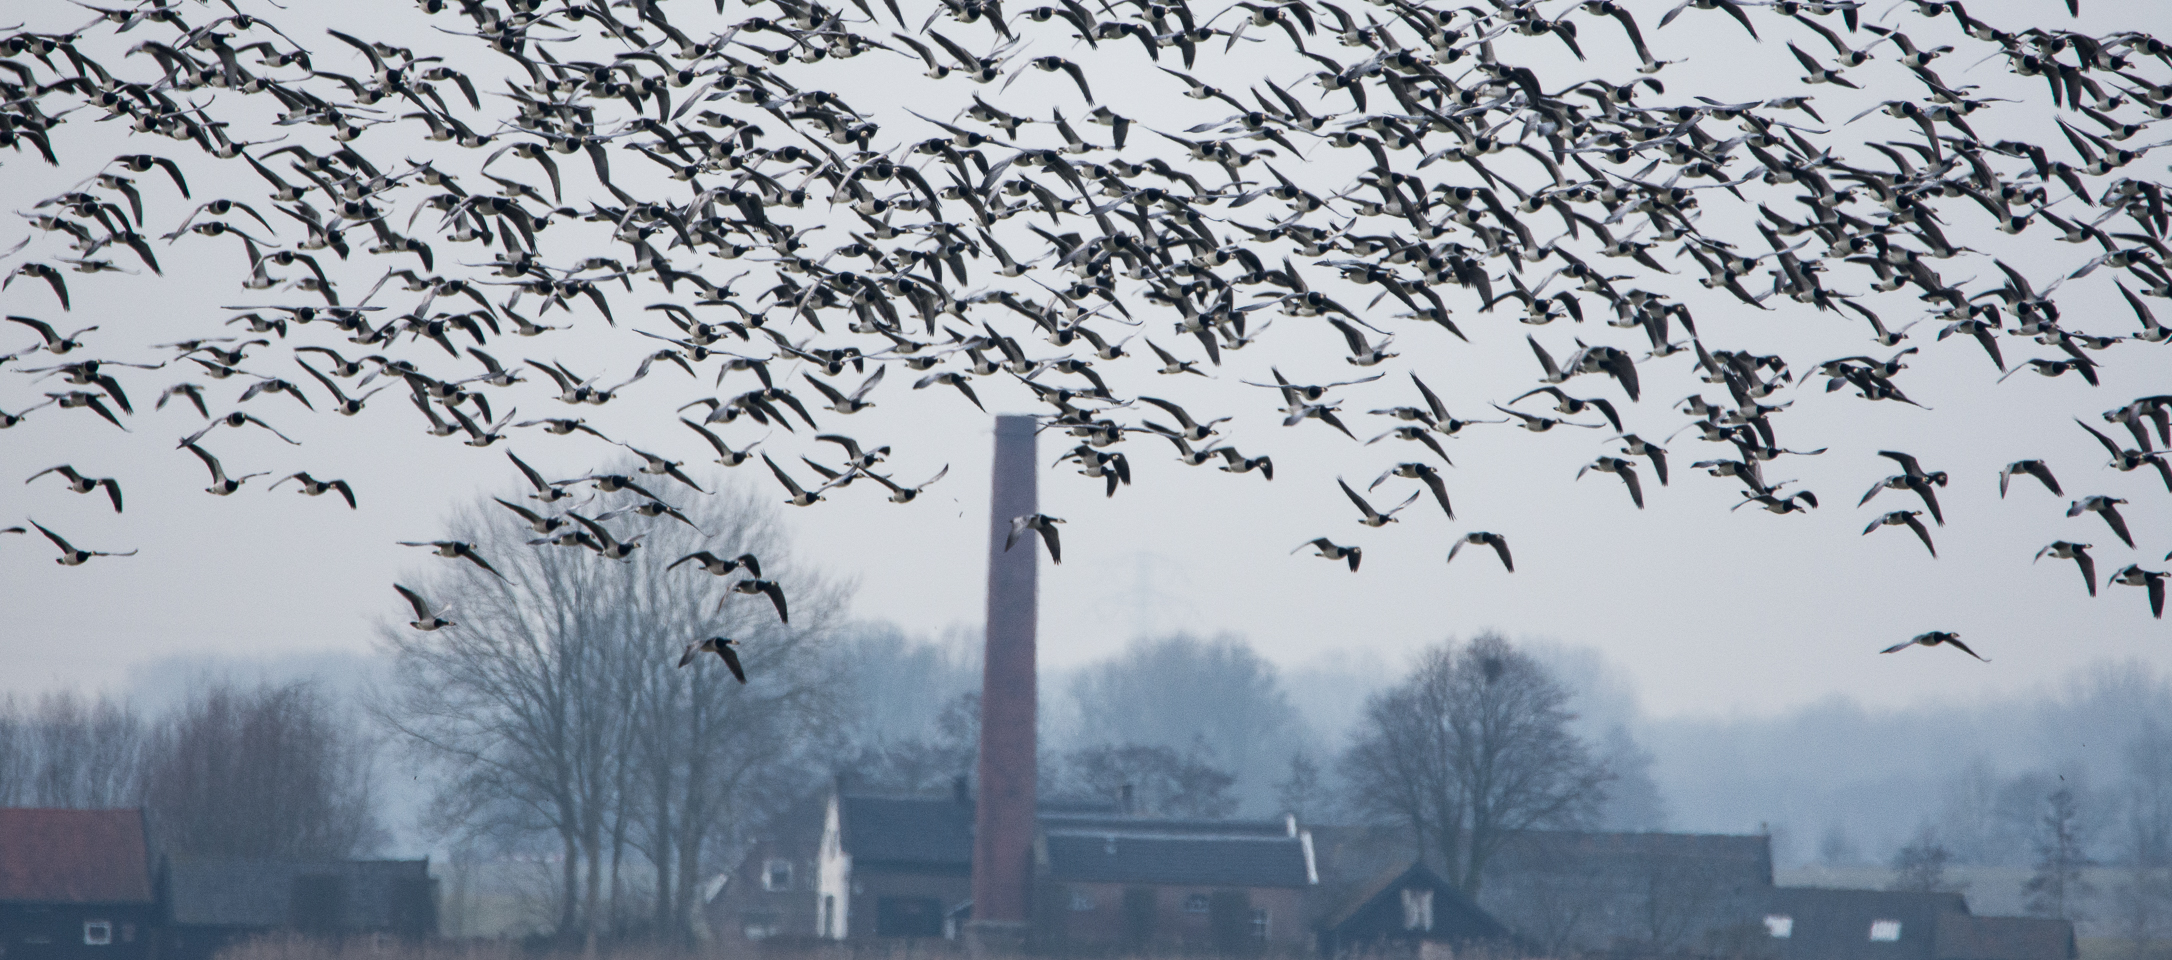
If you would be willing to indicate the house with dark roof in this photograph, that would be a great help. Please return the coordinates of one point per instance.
(1818, 924)
(770, 893)
(1631, 892)
(1226, 886)
(901, 867)
(215, 902)
(75, 884)
(1404, 909)
(1967, 937)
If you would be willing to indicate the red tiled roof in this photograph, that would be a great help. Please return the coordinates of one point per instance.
(73, 856)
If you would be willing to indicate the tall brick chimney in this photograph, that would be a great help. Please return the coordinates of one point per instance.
(1003, 819)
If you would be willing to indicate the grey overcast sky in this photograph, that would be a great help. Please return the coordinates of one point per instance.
(1708, 610)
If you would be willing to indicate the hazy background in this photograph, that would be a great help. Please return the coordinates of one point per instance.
(1728, 660)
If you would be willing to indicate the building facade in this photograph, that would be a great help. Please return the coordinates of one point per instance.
(211, 903)
(76, 885)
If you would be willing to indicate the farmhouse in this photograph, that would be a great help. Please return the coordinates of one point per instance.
(75, 884)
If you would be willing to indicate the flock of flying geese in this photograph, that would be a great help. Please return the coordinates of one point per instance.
(868, 242)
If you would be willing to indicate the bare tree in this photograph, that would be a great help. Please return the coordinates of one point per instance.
(1175, 690)
(271, 771)
(2143, 898)
(71, 751)
(15, 754)
(1162, 780)
(1474, 745)
(2057, 888)
(1920, 865)
(928, 763)
(90, 752)
(1301, 793)
(557, 707)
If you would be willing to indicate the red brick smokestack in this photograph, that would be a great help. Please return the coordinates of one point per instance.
(1003, 820)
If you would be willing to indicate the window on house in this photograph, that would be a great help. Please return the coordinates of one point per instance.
(1885, 931)
(1259, 923)
(1779, 925)
(1081, 901)
(776, 875)
(1195, 903)
(98, 933)
(1417, 909)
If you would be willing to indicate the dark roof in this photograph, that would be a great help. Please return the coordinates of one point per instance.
(907, 831)
(1965, 937)
(1158, 826)
(74, 856)
(1746, 856)
(1838, 923)
(1188, 858)
(1086, 847)
(1077, 806)
(260, 893)
(1369, 912)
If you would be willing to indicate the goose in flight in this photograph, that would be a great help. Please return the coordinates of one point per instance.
(311, 486)
(1573, 405)
(427, 618)
(2077, 552)
(236, 419)
(1908, 519)
(1330, 550)
(2034, 468)
(221, 485)
(858, 458)
(1537, 424)
(2125, 460)
(544, 490)
(848, 403)
(800, 496)
(722, 647)
(659, 466)
(1792, 503)
(541, 524)
(613, 483)
(1636, 446)
(1619, 467)
(606, 544)
(1922, 486)
(69, 555)
(1234, 462)
(900, 494)
(1042, 523)
(2108, 508)
(1193, 431)
(725, 455)
(1373, 518)
(2131, 576)
(763, 587)
(53, 343)
(1932, 639)
(1171, 365)
(1496, 541)
(456, 550)
(82, 484)
(720, 566)
(1425, 473)
(1420, 434)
